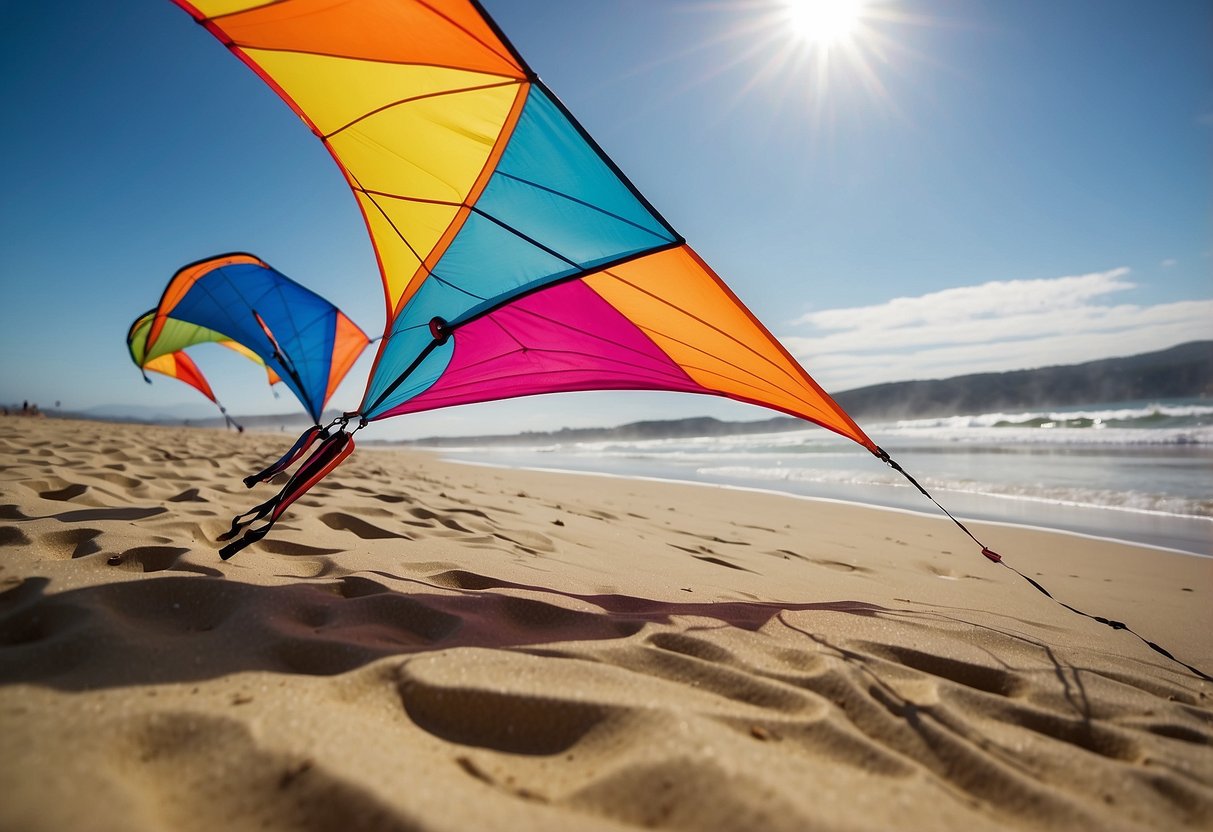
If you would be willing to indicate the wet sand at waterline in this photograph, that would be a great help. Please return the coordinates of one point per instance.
(422, 645)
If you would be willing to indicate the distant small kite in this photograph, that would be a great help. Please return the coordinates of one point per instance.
(239, 301)
(170, 357)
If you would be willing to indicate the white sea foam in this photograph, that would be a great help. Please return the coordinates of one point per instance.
(1051, 434)
(1143, 468)
(1127, 413)
(1099, 498)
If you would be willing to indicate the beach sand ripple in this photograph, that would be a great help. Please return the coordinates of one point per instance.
(429, 646)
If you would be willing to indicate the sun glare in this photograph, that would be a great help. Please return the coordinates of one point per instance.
(814, 61)
(824, 23)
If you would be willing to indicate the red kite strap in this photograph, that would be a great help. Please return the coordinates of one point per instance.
(305, 441)
(331, 453)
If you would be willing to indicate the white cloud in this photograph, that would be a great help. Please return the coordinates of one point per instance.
(993, 299)
(1169, 262)
(996, 326)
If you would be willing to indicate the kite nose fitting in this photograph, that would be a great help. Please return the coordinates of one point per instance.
(440, 329)
(346, 418)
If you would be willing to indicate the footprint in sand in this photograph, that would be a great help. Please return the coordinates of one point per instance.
(284, 547)
(91, 514)
(532, 542)
(722, 562)
(122, 480)
(153, 558)
(356, 525)
(839, 566)
(424, 516)
(462, 579)
(68, 492)
(706, 555)
(73, 543)
(443, 702)
(390, 498)
(947, 574)
(12, 536)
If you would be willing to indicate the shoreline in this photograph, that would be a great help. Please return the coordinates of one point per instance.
(1189, 534)
(926, 513)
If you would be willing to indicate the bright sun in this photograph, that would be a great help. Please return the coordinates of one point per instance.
(820, 58)
(824, 23)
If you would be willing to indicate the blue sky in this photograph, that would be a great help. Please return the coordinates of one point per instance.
(971, 186)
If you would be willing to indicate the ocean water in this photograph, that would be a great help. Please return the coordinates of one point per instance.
(1138, 471)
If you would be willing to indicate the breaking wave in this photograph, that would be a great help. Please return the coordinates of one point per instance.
(1136, 423)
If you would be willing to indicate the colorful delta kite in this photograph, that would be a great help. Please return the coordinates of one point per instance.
(516, 258)
(238, 301)
(169, 357)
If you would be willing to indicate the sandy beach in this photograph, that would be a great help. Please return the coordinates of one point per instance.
(421, 645)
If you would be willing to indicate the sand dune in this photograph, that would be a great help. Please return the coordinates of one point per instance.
(421, 645)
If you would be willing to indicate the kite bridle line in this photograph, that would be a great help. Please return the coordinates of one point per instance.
(996, 558)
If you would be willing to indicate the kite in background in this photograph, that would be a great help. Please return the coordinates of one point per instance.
(239, 301)
(516, 258)
(170, 359)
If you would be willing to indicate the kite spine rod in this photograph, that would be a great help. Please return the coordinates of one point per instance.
(994, 557)
(285, 361)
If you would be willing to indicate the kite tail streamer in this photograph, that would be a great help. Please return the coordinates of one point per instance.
(227, 420)
(305, 441)
(994, 557)
(331, 453)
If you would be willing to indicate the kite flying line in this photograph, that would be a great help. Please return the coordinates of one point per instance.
(994, 557)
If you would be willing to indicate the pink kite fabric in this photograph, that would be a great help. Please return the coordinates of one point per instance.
(565, 338)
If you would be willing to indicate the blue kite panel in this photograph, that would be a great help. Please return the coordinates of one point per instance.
(487, 262)
(553, 208)
(549, 152)
(302, 322)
